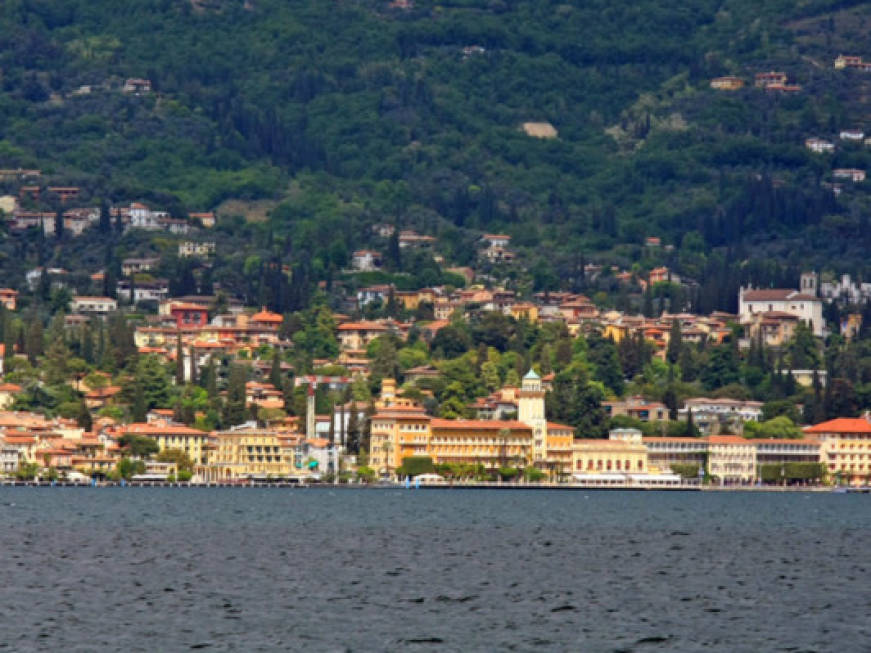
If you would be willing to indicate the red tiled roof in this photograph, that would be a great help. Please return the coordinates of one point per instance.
(559, 427)
(362, 326)
(841, 425)
(479, 424)
(153, 429)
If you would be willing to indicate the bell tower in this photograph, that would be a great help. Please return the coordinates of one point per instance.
(530, 411)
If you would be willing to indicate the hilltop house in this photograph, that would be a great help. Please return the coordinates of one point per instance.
(819, 145)
(802, 304)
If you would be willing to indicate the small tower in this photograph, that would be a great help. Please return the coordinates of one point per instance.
(530, 411)
(809, 283)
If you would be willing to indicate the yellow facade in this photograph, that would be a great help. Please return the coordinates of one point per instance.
(247, 453)
(193, 442)
(603, 456)
(490, 443)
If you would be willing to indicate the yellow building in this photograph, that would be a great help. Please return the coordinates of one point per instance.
(398, 432)
(249, 452)
(560, 439)
(602, 456)
(195, 443)
(524, 311)
(491, 443)
(845, 447)
(401, 429)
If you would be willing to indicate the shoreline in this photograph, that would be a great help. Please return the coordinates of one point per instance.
(565, 487)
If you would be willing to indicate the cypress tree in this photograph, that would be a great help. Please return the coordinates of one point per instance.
(179, 361)
(275, 372)
(194, 372)
(235, 409)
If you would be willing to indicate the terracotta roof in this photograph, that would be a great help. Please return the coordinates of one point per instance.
(153, 429)
(841, 425)
(479, 424)
(10, 387)
(776, 294)
(362, 326)
(559, 427)
(267, 316)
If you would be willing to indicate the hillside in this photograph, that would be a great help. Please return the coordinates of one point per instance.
(345, 114)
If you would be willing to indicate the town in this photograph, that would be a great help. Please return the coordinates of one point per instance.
(473, 382)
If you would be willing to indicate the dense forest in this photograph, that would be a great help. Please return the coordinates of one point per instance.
(321, 119)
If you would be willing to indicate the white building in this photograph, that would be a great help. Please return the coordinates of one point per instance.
(845, 289)
(819, 145)
(85, 304)
(530, 411)
(365, 260)
(804, 304)
(141, 217)
(189, 248)
(852, 135)
(853, 174)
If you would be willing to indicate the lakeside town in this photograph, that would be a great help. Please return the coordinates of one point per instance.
(474, 382)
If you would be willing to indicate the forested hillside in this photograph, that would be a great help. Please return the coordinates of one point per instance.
(343, 114)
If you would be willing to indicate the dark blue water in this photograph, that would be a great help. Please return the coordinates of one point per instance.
(379, 570)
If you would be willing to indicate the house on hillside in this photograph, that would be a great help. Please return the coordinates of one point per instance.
(365, 260)
(853, 174)
(819, 145)
(727, 83)
(136, 86)
(803, 305)
(98, 305)
(854, 135)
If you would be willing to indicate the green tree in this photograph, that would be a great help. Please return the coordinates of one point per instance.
(139, 446)
(234, 409)
(722, 367)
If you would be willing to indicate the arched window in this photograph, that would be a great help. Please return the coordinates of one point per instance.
(640, 464)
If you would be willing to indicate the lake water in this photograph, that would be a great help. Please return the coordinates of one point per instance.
(386, 570)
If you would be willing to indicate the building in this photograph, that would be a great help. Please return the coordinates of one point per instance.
(623, 451)
(357, 335)
(98, 305)
(664, 452)
(637, 408)
(247, 452)
(64, 193)
(845, 445)
(709, 415)
(187, 315)
(852, 135)
(143, 291)
(780, 450)
(190, 248)
(365, 260)
(8, 298)
(530, 411)
(853, 174)
(732, 459)
(195, 443)
(764, 80)
(206, 219)
(819, 145)
(844, 289)
(727, 83)
(141, 217)
(802, 304)
(398, 432)
(136, 86)
(491, 443)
